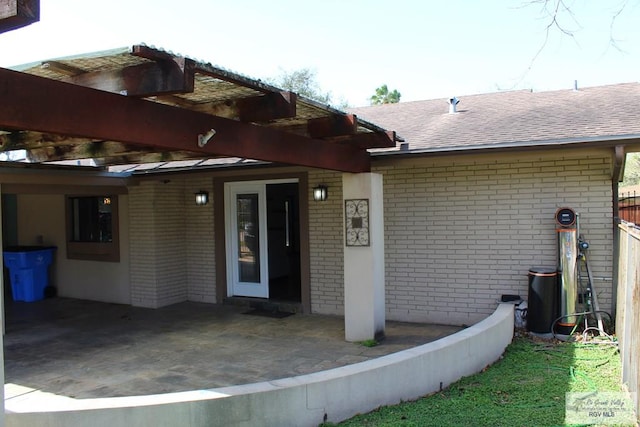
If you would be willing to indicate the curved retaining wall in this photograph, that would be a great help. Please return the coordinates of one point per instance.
(306, 400)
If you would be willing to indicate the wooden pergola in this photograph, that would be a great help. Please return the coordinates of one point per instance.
(142, 104)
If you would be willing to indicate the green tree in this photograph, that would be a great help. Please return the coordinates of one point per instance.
(631, 170)
(303, 82)
(383, 96)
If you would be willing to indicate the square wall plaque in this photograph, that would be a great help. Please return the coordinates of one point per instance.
(356, 222)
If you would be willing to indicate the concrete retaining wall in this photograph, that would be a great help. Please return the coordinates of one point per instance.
(306, 400)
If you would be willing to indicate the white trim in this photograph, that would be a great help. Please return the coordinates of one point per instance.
(231, 190)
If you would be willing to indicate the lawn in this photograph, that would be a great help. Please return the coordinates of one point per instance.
(526, 387)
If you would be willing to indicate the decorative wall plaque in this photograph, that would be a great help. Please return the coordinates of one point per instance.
(357, 222)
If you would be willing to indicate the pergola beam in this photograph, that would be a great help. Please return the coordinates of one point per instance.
(18, 13)
(62, 68)
(271, 106)
(20, 140)
(333, 125)
(364, 140)
(130, 156)
(35, 103)
(148, 79)
(83, 150)
(261, 108)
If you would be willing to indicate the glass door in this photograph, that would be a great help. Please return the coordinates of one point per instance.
(246, 223)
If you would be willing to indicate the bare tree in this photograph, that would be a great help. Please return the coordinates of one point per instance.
(559, 16)
(558, 13)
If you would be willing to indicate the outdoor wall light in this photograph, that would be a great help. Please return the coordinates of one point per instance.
(204, 139)
(320, 193)
(202, 198)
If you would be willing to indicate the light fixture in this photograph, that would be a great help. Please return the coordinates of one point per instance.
(202, 198)
(320, 193)
(204, 139)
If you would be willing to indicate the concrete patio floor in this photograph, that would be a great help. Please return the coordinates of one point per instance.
(86, 349)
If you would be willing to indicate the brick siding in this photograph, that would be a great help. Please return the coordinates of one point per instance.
(158, 247)
(172, 253)
(200, 242)
(326, 245)
(460, 232)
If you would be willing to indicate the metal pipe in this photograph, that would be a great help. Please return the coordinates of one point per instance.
(594, 297)
(567, 270)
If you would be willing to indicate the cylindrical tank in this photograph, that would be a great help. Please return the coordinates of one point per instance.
(568, 278)
(542, 304)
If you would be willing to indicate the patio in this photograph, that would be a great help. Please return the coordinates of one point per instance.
(87, 349)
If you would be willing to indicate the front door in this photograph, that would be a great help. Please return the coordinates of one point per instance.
(247, 267)
(263, 257)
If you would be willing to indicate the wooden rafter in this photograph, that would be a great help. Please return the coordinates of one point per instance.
(20, 140)
(148, 79)
(380, 139)
(83, 150)
(62, 68)
(262, 108)
(333, 125)
(131, 155)
(79, 111)
(140, 158)
(18, 13)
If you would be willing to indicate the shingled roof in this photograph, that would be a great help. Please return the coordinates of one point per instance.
(596, 115)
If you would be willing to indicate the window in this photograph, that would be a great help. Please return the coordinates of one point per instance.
(92, 228)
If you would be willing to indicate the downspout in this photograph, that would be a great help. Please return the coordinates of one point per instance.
(617, 175)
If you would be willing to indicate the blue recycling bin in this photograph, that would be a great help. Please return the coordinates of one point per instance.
(28, 271)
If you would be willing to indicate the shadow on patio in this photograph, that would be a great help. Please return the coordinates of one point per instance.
(86, 349)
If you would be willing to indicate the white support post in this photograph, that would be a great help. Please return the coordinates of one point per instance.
(364, 274)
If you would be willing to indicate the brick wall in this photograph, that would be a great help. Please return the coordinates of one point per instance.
(142, 245)
(200, 239)
(460, 232)
(158, 246)
(326, 245)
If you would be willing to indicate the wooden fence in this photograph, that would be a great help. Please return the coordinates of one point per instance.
(628, 307)
(629, 207)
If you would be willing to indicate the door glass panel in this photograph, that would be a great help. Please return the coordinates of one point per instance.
(248, 238)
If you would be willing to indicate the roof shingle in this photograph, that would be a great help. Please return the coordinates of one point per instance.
(514, 118)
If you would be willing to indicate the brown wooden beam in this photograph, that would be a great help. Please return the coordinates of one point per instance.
(22, 140)
(141, 158)
(261, 108)
(62, 68)
(18, 13)
(333, 125)
(148, 79)
(35, 103)
(271, 106)
(133, 156)
(85, 150)
(366, 140)
(48, 147)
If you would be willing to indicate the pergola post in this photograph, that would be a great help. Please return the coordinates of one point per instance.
(364, 273)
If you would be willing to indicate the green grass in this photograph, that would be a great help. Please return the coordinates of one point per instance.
(524, 388)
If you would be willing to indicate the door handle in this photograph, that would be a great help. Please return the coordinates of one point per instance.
(287, 240)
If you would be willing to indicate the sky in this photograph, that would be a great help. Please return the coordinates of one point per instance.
(425, 49)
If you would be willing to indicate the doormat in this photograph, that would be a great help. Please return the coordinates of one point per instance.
(267, 313)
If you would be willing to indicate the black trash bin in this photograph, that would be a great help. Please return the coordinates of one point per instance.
(542, 306)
